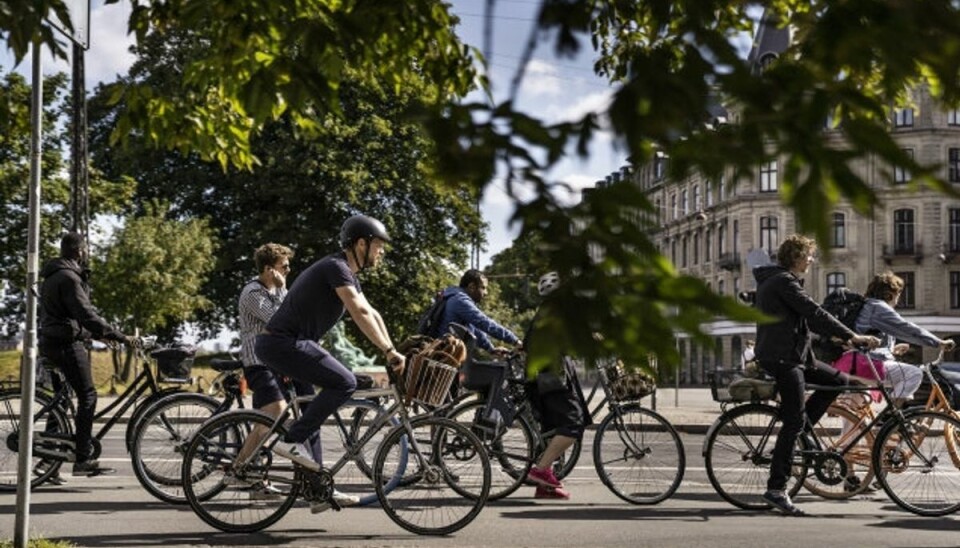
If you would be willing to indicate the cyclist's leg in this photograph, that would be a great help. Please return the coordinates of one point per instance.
(267, 397)
(561, 412)
(822, 374)
(306, 361)
(904, 378)
(71, 360)
(790, 384)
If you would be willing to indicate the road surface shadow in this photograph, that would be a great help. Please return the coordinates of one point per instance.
(272, 538)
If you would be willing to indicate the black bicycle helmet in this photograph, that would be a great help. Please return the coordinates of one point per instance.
(361, 226)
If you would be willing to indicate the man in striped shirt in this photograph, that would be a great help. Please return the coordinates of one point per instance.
(259, 299)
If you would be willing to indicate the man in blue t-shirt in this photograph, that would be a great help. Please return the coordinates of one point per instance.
(313, 305)
(461, 307)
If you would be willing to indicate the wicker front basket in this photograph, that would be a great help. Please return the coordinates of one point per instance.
(428, 381)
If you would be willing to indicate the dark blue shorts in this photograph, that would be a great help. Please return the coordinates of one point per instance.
(266, 385)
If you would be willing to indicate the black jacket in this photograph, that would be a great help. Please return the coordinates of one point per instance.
(66, 314)
(780, 294)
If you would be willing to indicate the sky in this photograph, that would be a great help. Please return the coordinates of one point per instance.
(554, 90)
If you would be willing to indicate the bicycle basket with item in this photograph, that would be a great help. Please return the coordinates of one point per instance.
(174, 362)
(627, 384)
(730, 385)
(432, 370)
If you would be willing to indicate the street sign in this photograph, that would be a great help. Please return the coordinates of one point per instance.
(79, 11)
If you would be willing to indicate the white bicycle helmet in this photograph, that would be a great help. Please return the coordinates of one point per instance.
(548, 282)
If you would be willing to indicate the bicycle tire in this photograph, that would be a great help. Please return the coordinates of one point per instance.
(914, 464)
(638, 455)
(161, 439)
(432, 504)
(345, 428)
(830, 431)
(511, 451)
(53, 420)
(737, 454)
(226, 501)
(141, 407)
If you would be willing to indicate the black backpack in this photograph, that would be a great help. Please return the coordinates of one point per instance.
(844, 305)
(430, 320)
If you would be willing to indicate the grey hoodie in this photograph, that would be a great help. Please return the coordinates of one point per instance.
(880, 316)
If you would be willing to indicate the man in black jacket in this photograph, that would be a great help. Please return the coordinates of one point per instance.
(67, 321)
(783, 351)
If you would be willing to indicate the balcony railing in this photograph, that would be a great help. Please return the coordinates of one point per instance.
(729, 261)
(893, 252)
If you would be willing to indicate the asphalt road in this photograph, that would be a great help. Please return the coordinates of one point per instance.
(115, 511)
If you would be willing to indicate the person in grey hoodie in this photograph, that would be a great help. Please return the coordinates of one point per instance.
(783, 351)
(67, 322)
(878, 315)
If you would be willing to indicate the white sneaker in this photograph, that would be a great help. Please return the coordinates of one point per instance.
(298, 453)
(263, 491)
(343, 499)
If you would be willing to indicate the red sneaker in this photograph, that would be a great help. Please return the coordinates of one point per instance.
(550, 493)
(544, 478)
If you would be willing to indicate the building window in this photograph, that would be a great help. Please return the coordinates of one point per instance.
(835, 281)
(903, 232)
(720, 285)
(709, 190)
(839, 236)
(673, 207)
(721, 189)
(685, 203)
(907, 295)
(696, 247)
(683, 253)
(736, 236)
(953, 231)
(953, 117)
(721, 236)
(769, 239)
(708, 246)
(901, 174)
(697, 205)
(903, 117)
(953, 161)
(659, 208)
(736, 286)
(768, 177)
(673, 252)
(659, 166)
(955, 290)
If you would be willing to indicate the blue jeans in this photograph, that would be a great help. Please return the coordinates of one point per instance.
(306, 361)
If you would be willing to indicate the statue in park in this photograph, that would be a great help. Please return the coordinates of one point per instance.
(343, 350)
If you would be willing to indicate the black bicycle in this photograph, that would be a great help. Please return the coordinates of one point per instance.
(637, 453)
(54, 415)
(163, 431)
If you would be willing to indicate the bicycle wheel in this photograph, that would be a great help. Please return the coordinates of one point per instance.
(52, 423)
(568, 460)
(141, 407)
(343, 432)
(638, 455)
(510, 452)
(446, 480)
(836, 429)
(161, 439)
(915, 466)
(237, 501)
(737, 455)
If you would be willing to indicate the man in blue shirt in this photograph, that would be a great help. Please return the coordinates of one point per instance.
(461, 307)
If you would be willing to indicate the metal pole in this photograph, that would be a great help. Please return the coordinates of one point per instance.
(29, 365)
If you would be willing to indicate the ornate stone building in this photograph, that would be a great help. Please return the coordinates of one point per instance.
(707, 227)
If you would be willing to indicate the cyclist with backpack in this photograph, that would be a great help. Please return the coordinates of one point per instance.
(560, 409)
(460, 306)
(783, 350)
(878, 315)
